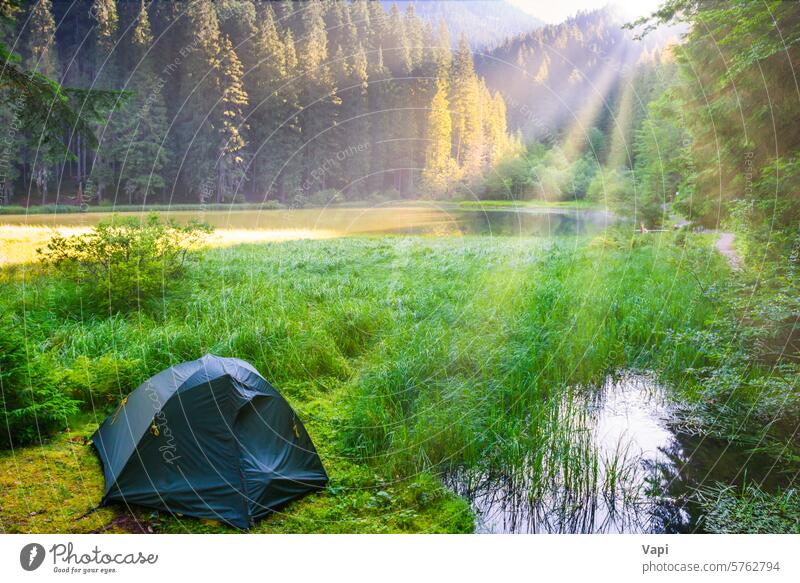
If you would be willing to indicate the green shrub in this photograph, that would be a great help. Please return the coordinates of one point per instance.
(31, 407)
(123, 262)
(100, 383)
(325, 197)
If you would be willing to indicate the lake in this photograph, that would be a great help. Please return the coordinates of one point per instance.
(425, 219)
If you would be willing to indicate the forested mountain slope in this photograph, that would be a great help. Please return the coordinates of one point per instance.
(486, 23)
(569, 73)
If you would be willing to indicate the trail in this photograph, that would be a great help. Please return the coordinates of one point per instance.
(725, 246)
(724, 243)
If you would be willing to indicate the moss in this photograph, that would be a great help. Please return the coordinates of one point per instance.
(51, 487)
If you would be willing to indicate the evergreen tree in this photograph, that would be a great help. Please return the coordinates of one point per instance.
(376, 35)
(13, 138)
(468, 140)
(37, 39)
(38, 48)
(380, 126)
(355, 115)
(396, 52)
(270, 108)
(414, 37)
(290, 136)
(438, 161)
(359, 12)
(231, 108)
(104, 15)
(197, 137)
(143, 152)
(104, 73)
(442, 56)
(318, 98)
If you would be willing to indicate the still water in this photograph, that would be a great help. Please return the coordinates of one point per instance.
(648, 467)
(345, 221)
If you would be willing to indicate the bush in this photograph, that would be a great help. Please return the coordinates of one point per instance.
(100, 383)
(31, 406)
(325, 197)
(124, 262)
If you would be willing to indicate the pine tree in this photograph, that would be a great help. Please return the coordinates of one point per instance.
(396, 50)
(142, 149)
(317, 96)
(286, 17)
(442, 56)
(496, 130)
(231, 162)
(38, 48)
(364, 100)
(334, 14)
(9, 115)
(357, 119)
(402, 119)
(376, 34)
(438, 161)
(269, 105)
(360, 12)
(197, 138)
(10, 145)
(290, 133)
(380, 92)
(37, 39)
(353, 140)
(414, 37)
(238, 21)
(106, 20)
(102, 167)
(467, 116)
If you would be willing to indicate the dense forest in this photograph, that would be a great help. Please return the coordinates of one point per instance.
(236, 99)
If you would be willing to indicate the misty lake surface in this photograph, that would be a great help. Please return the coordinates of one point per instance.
(346, 221)
(649, 465)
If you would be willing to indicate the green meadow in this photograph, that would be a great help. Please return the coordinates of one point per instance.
(406, 357)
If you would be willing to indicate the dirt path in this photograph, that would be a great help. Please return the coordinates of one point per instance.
(725, 246)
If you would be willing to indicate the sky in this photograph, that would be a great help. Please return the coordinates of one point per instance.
(552, 11)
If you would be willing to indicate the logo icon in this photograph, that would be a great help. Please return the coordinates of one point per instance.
(31, 556)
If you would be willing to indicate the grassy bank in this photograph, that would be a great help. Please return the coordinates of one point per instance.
(57, 209)
(582, 204)
(404, 356)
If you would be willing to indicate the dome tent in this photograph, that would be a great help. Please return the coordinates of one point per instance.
(208, 438)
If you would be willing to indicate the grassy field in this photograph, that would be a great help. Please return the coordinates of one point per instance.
(405, 356)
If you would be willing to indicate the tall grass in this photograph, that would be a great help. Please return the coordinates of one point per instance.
(413, 355)
(533, 322)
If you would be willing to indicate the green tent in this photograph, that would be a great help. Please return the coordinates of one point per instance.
(208, 438)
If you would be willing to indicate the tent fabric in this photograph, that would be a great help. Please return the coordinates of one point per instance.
(210, 438)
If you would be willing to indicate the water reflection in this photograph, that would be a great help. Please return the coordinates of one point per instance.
(344, 221)
(639, 470)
